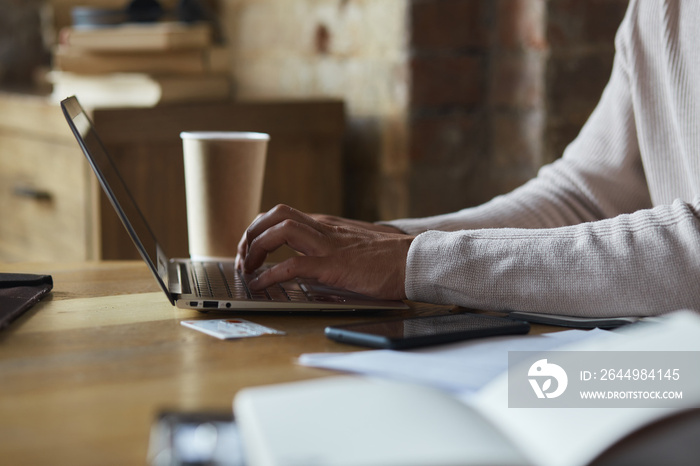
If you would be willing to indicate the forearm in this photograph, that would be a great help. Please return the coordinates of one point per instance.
(645, 263)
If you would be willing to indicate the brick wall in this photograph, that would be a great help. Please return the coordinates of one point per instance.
(505, 94)
(580, 35)
(476, 109)
(450, 102)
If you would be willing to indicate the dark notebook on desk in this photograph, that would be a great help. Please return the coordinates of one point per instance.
(19, 292)
(202, 285)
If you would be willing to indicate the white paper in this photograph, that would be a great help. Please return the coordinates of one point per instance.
(575, 436)
(461, 368)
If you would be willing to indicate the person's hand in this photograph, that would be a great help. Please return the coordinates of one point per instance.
(345, 256)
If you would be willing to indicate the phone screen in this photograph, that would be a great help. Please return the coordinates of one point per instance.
(421, 331)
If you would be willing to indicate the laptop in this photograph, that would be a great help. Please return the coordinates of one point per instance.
(205, 285)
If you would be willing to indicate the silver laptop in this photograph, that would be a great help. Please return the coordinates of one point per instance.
(206, 285)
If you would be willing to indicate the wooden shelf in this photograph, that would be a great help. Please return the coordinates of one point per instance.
(52, 207)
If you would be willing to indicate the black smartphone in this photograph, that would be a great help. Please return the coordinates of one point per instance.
(423, 331)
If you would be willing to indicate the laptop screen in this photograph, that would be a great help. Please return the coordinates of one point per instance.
(116, 191)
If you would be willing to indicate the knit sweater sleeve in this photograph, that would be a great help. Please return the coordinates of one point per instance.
(644, 263)
(581, 239)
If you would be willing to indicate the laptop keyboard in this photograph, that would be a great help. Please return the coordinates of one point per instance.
(223, 279)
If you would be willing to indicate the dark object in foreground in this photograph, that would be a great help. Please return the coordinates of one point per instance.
(424, 331)
(19, 292)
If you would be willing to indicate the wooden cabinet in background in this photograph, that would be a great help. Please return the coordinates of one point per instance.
(51, 207)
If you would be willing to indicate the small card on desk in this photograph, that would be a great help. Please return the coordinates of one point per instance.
(227, 329)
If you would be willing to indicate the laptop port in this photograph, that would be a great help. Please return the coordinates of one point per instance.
(210, 304)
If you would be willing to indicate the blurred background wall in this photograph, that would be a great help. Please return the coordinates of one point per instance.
(22, 47)
(450, 102)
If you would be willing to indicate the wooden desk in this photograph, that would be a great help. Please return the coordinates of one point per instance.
(84, 373)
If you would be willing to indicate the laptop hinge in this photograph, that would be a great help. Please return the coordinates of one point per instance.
(179, 282)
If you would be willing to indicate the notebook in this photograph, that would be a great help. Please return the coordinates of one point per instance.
(202, 285)
(342, 420)
(19, 292)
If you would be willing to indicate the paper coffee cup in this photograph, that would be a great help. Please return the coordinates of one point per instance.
(224, 174)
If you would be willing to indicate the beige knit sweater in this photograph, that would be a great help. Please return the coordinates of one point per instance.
(613, 227)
